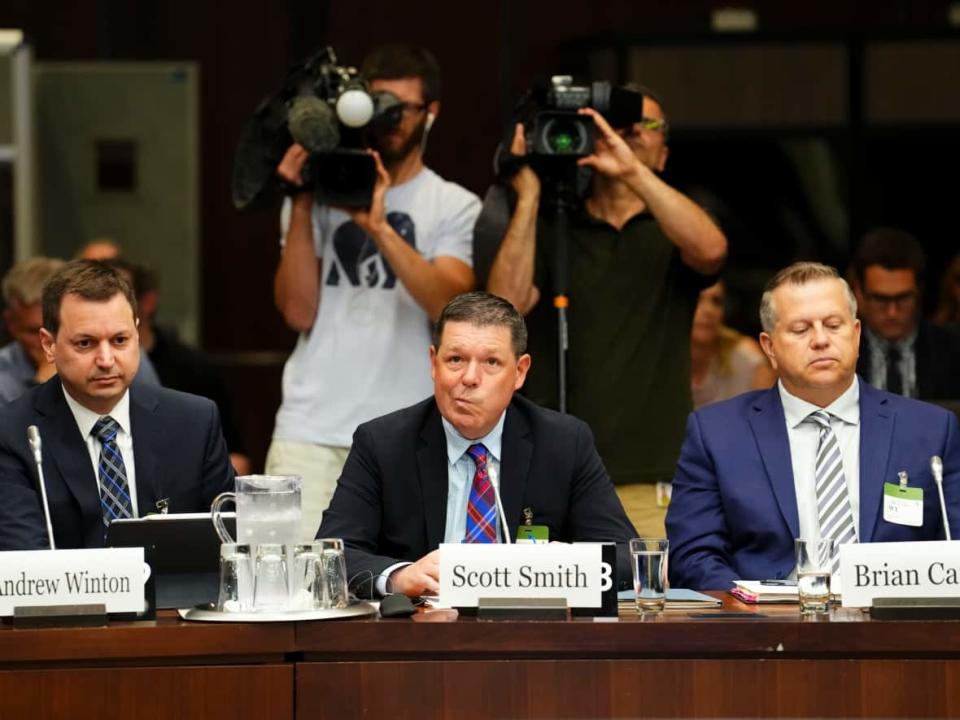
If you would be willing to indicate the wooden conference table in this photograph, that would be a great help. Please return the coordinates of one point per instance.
(771, 664)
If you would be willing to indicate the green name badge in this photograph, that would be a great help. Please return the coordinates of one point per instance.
(533, 534)
(903, 505)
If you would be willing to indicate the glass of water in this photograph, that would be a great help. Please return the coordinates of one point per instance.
(814, 561)
(309, 580)
(649, 560)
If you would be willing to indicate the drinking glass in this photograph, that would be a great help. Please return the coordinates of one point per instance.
(309, 580)
(814, 561)
(335, 572)
(649, 561)
(236, 578)
(271, 590)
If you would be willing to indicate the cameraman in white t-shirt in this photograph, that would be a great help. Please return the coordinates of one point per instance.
(363, 285)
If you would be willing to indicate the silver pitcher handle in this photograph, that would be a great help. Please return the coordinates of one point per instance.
(215, 511)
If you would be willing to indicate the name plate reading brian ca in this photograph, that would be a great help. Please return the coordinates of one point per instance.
(574, 572)
(929, 569)
(113, 577)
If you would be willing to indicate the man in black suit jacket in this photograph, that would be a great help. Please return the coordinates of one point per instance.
(165, 448)
(399, 498)
(899, 351)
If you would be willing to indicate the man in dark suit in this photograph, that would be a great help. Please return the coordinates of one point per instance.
(900, 351)
(109, 450)
(421, 476)
(807, 458)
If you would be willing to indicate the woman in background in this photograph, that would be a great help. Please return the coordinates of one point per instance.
(724, 363)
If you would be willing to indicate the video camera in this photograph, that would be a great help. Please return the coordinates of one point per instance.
(557, 135)
(327, 108)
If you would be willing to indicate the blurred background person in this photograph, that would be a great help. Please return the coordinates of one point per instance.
(948, 309)
(900, 351)
(723, 362)
(22, 362)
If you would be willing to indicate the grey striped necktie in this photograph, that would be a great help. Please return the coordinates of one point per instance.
(111, 472)
(833, 502)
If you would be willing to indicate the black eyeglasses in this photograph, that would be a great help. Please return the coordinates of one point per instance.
(900, 299)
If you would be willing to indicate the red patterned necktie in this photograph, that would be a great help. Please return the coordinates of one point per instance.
(482, 506)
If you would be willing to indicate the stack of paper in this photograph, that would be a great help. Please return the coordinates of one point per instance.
(678, 599)
(756, 591)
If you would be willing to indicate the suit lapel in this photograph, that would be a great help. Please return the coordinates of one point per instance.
(516, 450)
(432, 466)
(66, 450)
(876, 431)
(770, 431)
(145, 429)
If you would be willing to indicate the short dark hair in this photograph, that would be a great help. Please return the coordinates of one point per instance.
(91, 280)
(396, 61)
(483, 309)
(892, 249)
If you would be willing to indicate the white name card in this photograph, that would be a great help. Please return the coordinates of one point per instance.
(574, 572)
(899, 569)
(113, 577)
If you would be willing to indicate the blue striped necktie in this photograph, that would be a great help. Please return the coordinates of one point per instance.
(111, 472)
(833, 502)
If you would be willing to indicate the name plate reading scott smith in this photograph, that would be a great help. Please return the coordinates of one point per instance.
(928, 569)
(574, 572)
(113, 577)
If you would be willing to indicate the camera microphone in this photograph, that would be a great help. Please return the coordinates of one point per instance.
(313, 124)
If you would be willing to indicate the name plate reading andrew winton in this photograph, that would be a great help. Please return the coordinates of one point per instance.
(899, 570)
(113, 577)
(574, 572)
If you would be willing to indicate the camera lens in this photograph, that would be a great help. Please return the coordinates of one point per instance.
(564, 136)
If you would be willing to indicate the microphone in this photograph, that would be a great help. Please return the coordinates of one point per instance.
(495, 481)
(313, 124)
(33, 437)
(936, 467)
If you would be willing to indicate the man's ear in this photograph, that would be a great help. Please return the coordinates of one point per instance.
(433, 363)
(766, 344)
(523, 366)
(48, 342)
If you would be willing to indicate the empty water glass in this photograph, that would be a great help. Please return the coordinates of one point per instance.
(271, 590)
(309, 580)
(335, 572)
(236, 578)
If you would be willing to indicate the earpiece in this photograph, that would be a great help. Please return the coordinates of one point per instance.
(431, 117)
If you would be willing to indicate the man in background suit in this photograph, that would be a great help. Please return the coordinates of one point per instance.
(807, 458)
(901, 352)
(109, 450)
(419, 476)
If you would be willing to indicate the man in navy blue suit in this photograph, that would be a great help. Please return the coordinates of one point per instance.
(810, 456)
(109, 450)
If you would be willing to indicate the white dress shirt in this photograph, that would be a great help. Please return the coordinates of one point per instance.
(804, 438)
(86, 419)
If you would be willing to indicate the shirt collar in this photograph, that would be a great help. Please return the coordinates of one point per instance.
(846, 407)
(457, 444)
(86, 418)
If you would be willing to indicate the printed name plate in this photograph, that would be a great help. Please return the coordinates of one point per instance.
(111, 576)
(574, 572)
(899, 570)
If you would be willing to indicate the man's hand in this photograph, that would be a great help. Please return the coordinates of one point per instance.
(372, 220)
(290, 169)
(421, 578)
(525, 181)
(611, 155)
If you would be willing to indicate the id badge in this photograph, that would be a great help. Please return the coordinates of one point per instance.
(533, 534)
(664, 493)
(903, 505)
